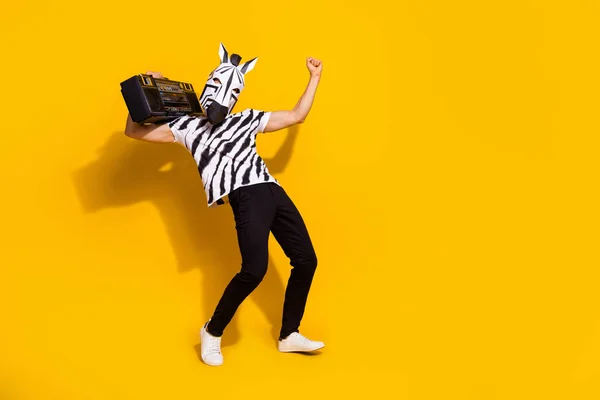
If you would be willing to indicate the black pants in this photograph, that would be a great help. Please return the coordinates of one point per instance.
(259, 210)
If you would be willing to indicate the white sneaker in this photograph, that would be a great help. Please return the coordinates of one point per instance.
(210, 348)
(298, 343)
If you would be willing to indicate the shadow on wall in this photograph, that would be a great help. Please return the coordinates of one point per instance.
(130, 171)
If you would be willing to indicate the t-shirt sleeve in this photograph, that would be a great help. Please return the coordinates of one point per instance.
(263, 120)
(181, 127)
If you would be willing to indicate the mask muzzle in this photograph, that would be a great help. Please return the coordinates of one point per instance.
(216, 113)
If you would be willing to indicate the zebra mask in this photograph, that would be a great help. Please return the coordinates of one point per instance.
(224, 86)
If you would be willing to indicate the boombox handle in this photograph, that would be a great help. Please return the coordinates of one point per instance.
(163, 78)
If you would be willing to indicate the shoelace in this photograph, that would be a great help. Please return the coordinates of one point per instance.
(305, 340)
(214, 346)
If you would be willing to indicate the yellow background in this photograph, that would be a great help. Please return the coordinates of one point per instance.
(448, 174)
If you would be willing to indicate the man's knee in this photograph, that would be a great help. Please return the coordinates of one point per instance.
(252, 276)
(312, 262)
(307, 262)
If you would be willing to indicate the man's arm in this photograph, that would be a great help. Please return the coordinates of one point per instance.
(149, 133)
(284, 119)
(152, 132)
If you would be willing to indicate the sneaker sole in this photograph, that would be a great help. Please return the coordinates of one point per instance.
(212, 365)
(299, 350)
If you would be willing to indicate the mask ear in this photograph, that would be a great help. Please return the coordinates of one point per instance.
(248, 65)
(223, 55)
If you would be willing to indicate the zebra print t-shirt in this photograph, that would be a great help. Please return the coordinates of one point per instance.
(225, 153)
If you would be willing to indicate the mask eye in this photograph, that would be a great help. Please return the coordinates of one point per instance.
(217, 81)
(236, 91)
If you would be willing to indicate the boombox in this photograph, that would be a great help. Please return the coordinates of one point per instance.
(152, 100)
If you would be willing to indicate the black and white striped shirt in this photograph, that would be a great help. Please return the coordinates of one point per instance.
(225, 153)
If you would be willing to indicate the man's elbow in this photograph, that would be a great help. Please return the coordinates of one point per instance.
(135, 132)
(298, 119)
(133, 129)
(130, 134)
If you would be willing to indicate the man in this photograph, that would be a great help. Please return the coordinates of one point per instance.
(224, 147)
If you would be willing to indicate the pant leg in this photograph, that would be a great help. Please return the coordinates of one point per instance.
(292, 235)
(254, 210)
